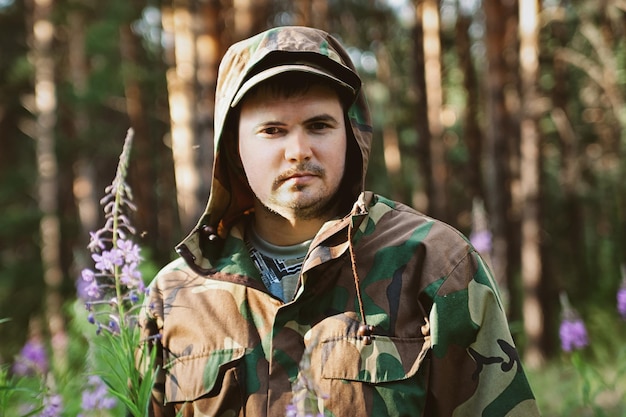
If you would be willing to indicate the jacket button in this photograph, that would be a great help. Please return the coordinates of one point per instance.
(208, 232)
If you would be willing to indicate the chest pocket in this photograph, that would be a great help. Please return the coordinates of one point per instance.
(386, 359)
(212, 380)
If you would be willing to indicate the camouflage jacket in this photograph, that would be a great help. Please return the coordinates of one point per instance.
(438, 342)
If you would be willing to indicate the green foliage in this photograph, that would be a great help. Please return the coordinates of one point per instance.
(577, 385)
(115, 363)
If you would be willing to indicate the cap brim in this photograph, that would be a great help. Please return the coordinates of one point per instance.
(273, 71)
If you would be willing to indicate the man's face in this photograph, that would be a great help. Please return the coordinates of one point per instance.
(293, 150)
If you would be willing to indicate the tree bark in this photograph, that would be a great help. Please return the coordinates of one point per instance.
(530, 179)
(472, 134)
(141, 169)
(391, 143)
(177, 23)
(420, 198)
(47, 169)
(497, 133)
(85, 195)
(438, 201)
(210, 48)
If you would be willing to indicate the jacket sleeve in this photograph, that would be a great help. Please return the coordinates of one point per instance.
(475, 369)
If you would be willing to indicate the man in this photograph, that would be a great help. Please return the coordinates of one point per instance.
(298, 293)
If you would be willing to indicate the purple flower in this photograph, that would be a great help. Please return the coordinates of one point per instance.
(621, 302)
(92, 290)
(95, 241)
(108, 260)
(52, 406)
(95, 397)
(130, 251)
(573, 334)
(88, 275)
(482, 241)
(130, 275)
(32, 359)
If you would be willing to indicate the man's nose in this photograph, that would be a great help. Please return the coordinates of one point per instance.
(298, 146)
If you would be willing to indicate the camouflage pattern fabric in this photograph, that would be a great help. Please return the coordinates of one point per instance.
(440, 345)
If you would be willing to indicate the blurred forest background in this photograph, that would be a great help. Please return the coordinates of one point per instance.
(509, 111)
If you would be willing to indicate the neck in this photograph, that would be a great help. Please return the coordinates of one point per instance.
(284, 231)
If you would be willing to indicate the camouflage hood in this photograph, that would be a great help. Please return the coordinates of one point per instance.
(249, 62)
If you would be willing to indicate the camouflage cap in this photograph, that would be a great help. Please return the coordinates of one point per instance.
(349, 81)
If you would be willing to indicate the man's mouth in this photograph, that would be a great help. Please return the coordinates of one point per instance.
(299, 176)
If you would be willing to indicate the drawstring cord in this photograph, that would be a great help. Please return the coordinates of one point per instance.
(365, 331)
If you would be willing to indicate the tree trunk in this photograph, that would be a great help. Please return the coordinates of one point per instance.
(85, 196)
(438, 202)
(420, 199)
(140, 169)
(47, 169)
(530, 182)
(249, 17)
(472, 134)
(391, 143)
(178, 24)
(497, 134)
(210, 49)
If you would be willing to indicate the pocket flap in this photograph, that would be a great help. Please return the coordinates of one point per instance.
(193, 376)
(386, 359)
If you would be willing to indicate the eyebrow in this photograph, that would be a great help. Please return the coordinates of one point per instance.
(324, 117)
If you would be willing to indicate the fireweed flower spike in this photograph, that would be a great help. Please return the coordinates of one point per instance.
(116, 257)
(95, 397)
(113, 292)
(572, 332)
(32, 360)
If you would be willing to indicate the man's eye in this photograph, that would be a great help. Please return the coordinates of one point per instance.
(272, 130)
(319, 126)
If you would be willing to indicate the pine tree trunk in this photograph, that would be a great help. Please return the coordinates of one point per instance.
(177, 23)
(530, 179)
(420, 196)
(48, 182)
(497, 134)
(85, 195)
(472, 134)
(249, 18)
(210, 47)
(391, 143)
(140, 169)
(438, 202)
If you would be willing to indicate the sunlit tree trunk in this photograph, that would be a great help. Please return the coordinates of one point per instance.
(420, 198)
(571, 179)
(391, 143)
(181, 55)
(438, 202)
(249, 17)
(141, 168)
(47, 168)
(472, 135)
(210, 48)
(311, 13)
(530, 181)
(497, 134)
(85, 195)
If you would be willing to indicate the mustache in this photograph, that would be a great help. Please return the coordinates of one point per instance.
(301, 168)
